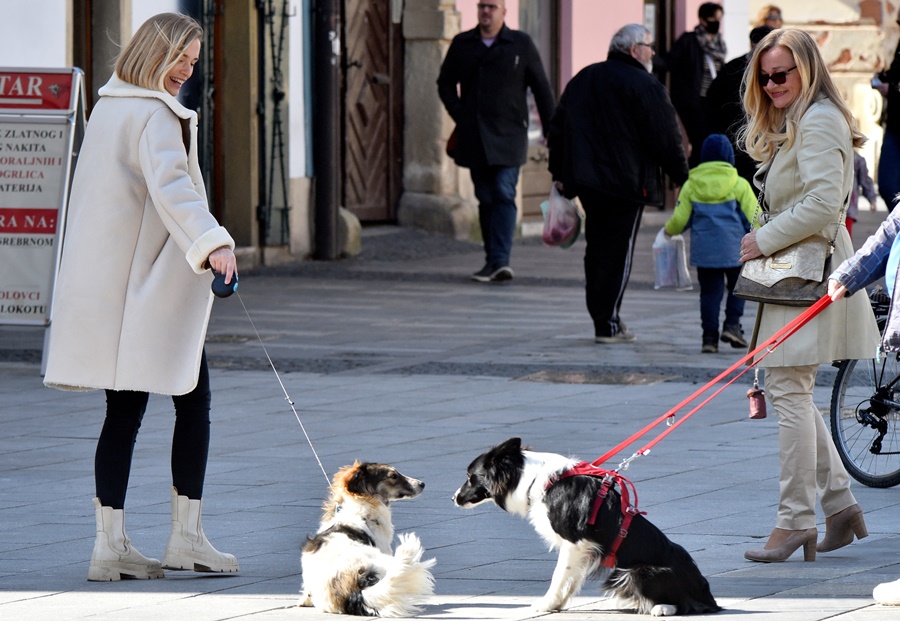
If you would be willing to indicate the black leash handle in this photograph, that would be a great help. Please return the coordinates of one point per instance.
(220, 289)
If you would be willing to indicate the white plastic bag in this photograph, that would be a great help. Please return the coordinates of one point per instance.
(670, 262)
(562, 220)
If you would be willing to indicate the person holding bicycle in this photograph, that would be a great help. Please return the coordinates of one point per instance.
(879, 256)
(802, 133)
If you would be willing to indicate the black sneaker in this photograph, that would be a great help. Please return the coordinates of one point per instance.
(622, 335)
(484, 274)
(502, 273)
(710, 343)
(735, 336)
(489, 274)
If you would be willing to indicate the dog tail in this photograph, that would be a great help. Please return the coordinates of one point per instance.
(405, 586)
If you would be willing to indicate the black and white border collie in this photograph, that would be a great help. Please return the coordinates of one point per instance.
(348, 566)
(651, 574)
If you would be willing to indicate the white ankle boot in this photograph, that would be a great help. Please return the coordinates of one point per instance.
(114, 557)
(188, 547)
(887, 594)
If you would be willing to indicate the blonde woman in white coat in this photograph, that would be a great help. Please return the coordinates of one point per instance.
(133, 296)
(801, 131)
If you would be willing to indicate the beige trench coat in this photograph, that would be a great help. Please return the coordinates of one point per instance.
(805, 188)
(133, 298)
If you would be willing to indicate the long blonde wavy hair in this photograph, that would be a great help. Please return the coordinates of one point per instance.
(155, 48)
(767, 128)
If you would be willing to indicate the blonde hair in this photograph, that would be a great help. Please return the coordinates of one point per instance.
(769, 128)
(155, 48)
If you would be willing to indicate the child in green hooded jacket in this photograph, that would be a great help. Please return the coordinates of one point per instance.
(718, 206)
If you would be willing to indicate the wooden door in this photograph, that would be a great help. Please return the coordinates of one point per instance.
(373, 110)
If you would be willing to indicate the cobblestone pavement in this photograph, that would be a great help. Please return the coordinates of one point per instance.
(396, 356)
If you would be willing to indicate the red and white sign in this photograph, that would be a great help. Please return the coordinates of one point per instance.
(38, 115)
(35, 90)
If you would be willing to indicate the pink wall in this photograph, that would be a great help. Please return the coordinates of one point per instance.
(686, 14)
(588, 26)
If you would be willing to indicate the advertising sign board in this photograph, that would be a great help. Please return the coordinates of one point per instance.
(41, 125)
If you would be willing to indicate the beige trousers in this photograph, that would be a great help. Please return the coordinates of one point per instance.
(809, 460)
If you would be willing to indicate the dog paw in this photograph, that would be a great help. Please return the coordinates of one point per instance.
(305, 600)
(546, 605)
(663, 610)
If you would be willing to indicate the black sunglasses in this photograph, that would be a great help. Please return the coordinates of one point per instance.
(778, 78)
(652, 46)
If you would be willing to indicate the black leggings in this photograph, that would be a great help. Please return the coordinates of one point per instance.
(190, 442)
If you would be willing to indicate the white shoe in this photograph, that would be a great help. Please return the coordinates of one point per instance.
(114, 557)
(188, 547)
(888, 593)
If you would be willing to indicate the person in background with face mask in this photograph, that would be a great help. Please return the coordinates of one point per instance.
(693, 62)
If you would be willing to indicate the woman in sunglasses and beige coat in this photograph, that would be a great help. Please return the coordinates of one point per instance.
(804, 136)
(133, 296)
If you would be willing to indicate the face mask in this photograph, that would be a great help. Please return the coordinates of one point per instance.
(712, 27)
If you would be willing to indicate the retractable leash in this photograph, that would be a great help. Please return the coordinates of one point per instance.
(768, 347)
(221, 290)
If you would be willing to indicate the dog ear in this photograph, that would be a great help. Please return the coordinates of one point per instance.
(513, 445)
(358, 482)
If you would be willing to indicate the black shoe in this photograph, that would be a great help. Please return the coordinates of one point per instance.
(735, 336)
(621, 335)
(710, 343)
(484, 274)
(490, 274)
(502, 273)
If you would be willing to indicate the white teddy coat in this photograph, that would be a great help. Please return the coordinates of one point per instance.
(132, 299)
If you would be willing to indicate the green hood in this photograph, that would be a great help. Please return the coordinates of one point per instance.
(713, 181)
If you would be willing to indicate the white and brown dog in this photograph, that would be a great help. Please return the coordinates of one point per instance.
(348, 565)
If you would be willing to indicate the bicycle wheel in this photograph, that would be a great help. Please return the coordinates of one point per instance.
(865, 419)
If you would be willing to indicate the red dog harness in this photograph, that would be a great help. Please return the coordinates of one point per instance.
(610, 478)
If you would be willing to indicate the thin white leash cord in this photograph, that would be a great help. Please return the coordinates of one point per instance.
(286, 395)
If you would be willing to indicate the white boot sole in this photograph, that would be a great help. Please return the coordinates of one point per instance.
(112, 571)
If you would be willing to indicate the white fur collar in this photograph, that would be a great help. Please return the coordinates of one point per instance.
(116, 87)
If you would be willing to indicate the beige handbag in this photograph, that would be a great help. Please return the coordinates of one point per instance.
(793, 276)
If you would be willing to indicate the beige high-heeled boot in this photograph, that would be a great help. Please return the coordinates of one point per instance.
(841, 527)
(782, 543)
(188, 547)
(114, 557)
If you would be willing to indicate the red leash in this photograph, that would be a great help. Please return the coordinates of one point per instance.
(768, 346)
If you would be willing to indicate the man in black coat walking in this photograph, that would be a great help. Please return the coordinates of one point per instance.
(493, 66)
(613, 134)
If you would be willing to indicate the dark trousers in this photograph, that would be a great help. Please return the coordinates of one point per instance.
(190, 442)
(610, 230)
(495, 189)
(889, 169)
(713, 283)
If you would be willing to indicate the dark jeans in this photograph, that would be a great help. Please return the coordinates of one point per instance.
(190, 442)
(495, 189)
(713, 283)
(610, 230)
(889, 169)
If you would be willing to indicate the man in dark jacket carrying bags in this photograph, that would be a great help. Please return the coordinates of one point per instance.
(493, 66)
(613, 134)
